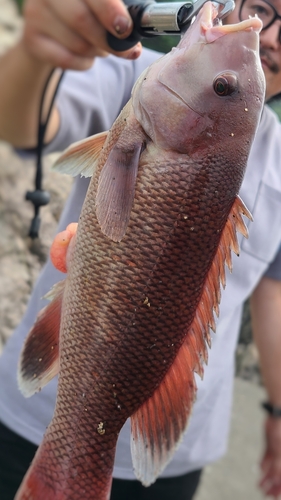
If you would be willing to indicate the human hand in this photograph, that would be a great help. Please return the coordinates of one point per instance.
(70, 33)
(270, 482)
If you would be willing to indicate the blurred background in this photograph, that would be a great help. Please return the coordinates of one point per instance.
(235, 476)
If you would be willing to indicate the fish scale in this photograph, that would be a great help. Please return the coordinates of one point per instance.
(166, 323)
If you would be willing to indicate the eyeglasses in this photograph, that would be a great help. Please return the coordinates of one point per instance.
(263, 9)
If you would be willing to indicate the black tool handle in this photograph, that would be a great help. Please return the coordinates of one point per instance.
(135, 8)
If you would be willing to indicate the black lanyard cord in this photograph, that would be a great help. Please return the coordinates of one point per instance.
(39, 197)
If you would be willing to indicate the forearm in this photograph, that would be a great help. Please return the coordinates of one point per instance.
(64, 34)
(22, 79)
(266, 323)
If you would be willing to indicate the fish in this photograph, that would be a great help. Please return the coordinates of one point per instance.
(130, 325)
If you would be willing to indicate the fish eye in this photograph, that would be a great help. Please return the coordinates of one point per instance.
(225, 85)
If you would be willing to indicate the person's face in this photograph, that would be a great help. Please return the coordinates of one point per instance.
(270, 38)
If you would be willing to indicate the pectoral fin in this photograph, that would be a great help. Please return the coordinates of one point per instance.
(81, 157)
(116, 187)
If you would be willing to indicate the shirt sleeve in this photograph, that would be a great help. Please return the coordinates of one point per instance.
(274, 270)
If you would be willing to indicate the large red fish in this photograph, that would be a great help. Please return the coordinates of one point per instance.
(145, 266)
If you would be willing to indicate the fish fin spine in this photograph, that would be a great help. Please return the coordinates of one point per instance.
(211, 296)
(238, 209)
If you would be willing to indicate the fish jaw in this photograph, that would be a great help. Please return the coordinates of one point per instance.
(215, 32)
(175, 101)
(208, 27)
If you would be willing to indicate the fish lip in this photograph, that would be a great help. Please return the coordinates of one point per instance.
(253, 23)
(211, 26)
(211, 34)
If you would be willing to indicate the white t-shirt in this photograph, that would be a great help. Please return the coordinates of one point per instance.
(89, 102)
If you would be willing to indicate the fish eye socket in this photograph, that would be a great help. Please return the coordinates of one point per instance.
(225, 85)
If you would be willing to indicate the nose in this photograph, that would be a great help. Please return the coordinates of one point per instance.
(271, 37)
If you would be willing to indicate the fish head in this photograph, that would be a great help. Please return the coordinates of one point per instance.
(208, 87)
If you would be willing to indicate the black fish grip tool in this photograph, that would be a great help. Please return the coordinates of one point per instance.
(152, 19)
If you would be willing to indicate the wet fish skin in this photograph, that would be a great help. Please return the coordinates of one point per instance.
(145, 265)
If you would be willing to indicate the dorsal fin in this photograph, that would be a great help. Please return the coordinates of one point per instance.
(158, 425)
(39, 361)
(81, 157)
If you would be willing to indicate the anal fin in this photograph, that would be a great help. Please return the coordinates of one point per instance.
(159, 424)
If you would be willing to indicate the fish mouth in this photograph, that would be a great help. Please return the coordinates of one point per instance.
(212, 27)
